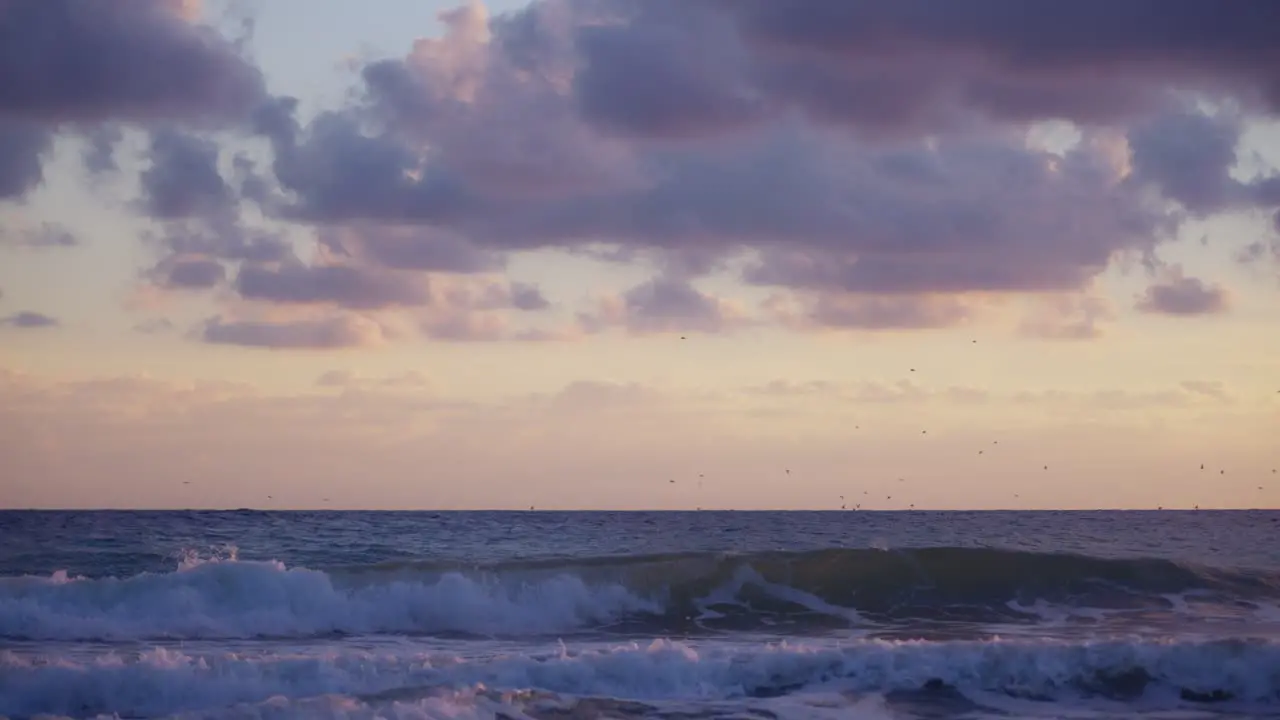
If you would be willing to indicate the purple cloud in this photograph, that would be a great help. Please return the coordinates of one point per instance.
(46, 235)
(183, 180)
(409, 249)
(342, 331)
(341, 285)
(223, 237)
(29, 320)
(664, 304)
(189, 273)
(1181, 295)
(135, 61)
(23, 146)
(975, 211)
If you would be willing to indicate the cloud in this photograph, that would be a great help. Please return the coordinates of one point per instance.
(479, 310)
(23, 146)
(341, 285)
(99, 154)
(868, 164)
(848, 311)
(1189, 156)
(818, 208)
(348, 380)
(912, 64)
(133, 61)
(868, 392)
(409, 249)
(1067, 317)
(189, 274)
(154, 326)
(222, 237)
(29, 320)
(331, 333)
(46, 235)
(183, 179)
(1211, 389)
(664, 304)
(1181, 295)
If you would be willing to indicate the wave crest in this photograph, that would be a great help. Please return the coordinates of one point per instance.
(225, 597)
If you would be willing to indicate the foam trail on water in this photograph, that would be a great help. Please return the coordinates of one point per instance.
(164, 681)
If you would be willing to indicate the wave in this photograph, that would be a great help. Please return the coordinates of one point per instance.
(225, 597)
(1147, 674)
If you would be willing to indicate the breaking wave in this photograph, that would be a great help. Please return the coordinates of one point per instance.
(229, 598)
(161, 682)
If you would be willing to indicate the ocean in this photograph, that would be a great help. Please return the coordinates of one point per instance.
(579, 615)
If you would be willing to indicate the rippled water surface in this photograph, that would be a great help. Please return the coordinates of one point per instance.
(582, 615)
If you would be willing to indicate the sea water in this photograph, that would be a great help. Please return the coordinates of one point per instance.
(568, 616)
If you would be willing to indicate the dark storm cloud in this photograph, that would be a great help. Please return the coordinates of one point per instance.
(1181, 295)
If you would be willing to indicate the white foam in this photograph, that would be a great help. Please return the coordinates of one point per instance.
(166, 681)
(245, 599)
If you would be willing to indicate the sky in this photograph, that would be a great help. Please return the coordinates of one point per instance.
(639, 254)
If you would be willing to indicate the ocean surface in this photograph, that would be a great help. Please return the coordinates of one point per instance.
(571, 616)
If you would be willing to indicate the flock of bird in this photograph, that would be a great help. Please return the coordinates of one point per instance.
(844, 503)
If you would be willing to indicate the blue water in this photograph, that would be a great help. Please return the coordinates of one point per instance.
(676, 615)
